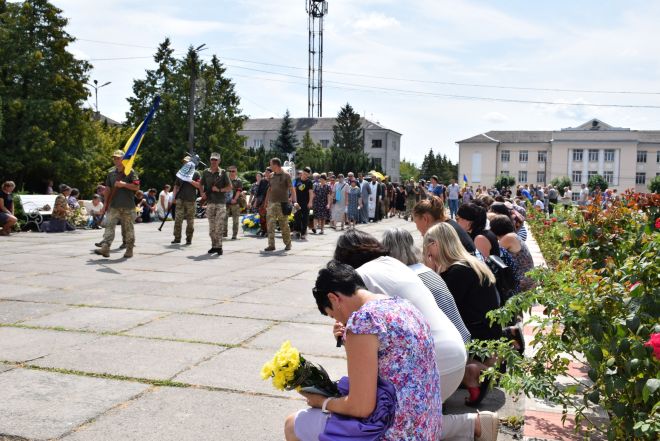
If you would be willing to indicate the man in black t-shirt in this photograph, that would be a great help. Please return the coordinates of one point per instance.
(305, 198)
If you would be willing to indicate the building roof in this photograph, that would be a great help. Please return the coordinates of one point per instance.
(526, 136)
(304, 124)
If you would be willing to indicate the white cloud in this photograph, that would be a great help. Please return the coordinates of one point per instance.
(495, 117)
(376, 22)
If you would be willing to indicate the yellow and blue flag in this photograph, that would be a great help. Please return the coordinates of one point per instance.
(133, 143)
(464, 181)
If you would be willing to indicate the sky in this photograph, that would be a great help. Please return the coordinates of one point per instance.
(435, 71)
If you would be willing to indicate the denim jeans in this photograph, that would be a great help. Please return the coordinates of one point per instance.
(453, 207)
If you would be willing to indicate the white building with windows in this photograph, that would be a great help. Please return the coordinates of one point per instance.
(625, 158)
(382, 145)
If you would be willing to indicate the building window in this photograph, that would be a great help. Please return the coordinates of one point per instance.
(522, 156)
(575, 196)
(522, 176)
(591, 173)
(540, 177)
(657, 156)
(272, 143)
(593, 155)
(504, 172)
(377, 163)
(577, 176)
(325, 143)
(640, 178)
(542, 156)
(393, 163)
(376, 143)
(577, 156)
(394, 145)
(245, 143)
(641, 156)
(258, 143)
(505, 156)
(609, 155)
(609, 177)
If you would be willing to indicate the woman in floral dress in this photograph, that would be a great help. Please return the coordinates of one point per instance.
(354, 203)
(321, 203)
(385, 338)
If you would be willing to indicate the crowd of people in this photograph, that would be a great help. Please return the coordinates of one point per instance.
(404, 314)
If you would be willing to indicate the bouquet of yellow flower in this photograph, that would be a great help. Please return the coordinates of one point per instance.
(250, 223)
(290, 370)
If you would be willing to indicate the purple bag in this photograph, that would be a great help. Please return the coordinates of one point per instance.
(372, 428)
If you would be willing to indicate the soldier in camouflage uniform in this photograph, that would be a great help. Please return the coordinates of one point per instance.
(215, 184)
(233, 206)
(121, 207)
(280, 192)
(185, 196)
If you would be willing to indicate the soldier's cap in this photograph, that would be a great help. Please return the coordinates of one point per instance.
(118, 154)
(307, 170)
(215, 155)
(187, 158)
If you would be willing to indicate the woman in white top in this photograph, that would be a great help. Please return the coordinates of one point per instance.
(386, 275)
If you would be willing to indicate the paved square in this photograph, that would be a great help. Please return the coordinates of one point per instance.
(137, 324)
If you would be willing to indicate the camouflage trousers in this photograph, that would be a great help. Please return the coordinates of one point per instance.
(125, 216)
(276, 216)
(410, 204)
(184, 210)
(233, 211)
(216, 215)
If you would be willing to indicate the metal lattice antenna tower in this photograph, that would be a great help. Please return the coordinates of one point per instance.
(316, 9)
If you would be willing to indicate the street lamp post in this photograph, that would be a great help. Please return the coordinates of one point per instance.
(192, 54)
(96, 95)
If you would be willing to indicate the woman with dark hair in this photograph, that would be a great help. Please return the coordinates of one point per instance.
(386, 339)
(502, 227)
(387, 275)
(321, 203)
(472, 218)
(432, 211)
(400, 200)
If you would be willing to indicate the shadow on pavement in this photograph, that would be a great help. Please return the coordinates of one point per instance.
(205, 256)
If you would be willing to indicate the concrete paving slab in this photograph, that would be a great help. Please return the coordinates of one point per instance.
(96, 319)
(251, 310)
(239, 369)
(313, 316)
(12, 312)
(20, 345)
(290, 293)
(14, 289)
(307, 338)
(5, 367)
(223, 330)
(45, 405)
(131, 357)
(69, 297)
(174, 414)
(156, 303)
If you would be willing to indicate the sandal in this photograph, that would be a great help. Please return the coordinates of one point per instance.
(517, 337)
(477, 394)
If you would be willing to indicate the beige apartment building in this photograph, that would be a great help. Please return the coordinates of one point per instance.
(625, 158)
(382, 145)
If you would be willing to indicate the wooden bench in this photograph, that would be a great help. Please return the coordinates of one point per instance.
(37, 208)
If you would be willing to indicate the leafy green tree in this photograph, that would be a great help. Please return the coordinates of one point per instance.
(654, 185)
(348, 133)
(46, 134)
(597, 181)
(217, 121)
(408, 170)
(312, 154)
(343, 161)
(429, 166)
(504, 181)
(446, 170)
(560, 182)
(286, 141)
(256, 159)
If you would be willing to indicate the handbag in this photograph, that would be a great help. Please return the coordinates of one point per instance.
(287, 208)
(504, 277)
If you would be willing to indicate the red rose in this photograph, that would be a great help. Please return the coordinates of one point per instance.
(657, 223)
(654, 342)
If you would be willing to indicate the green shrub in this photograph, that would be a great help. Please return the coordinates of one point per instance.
(654, 185)
(601, 292)
(560, 182)
(504, 181)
